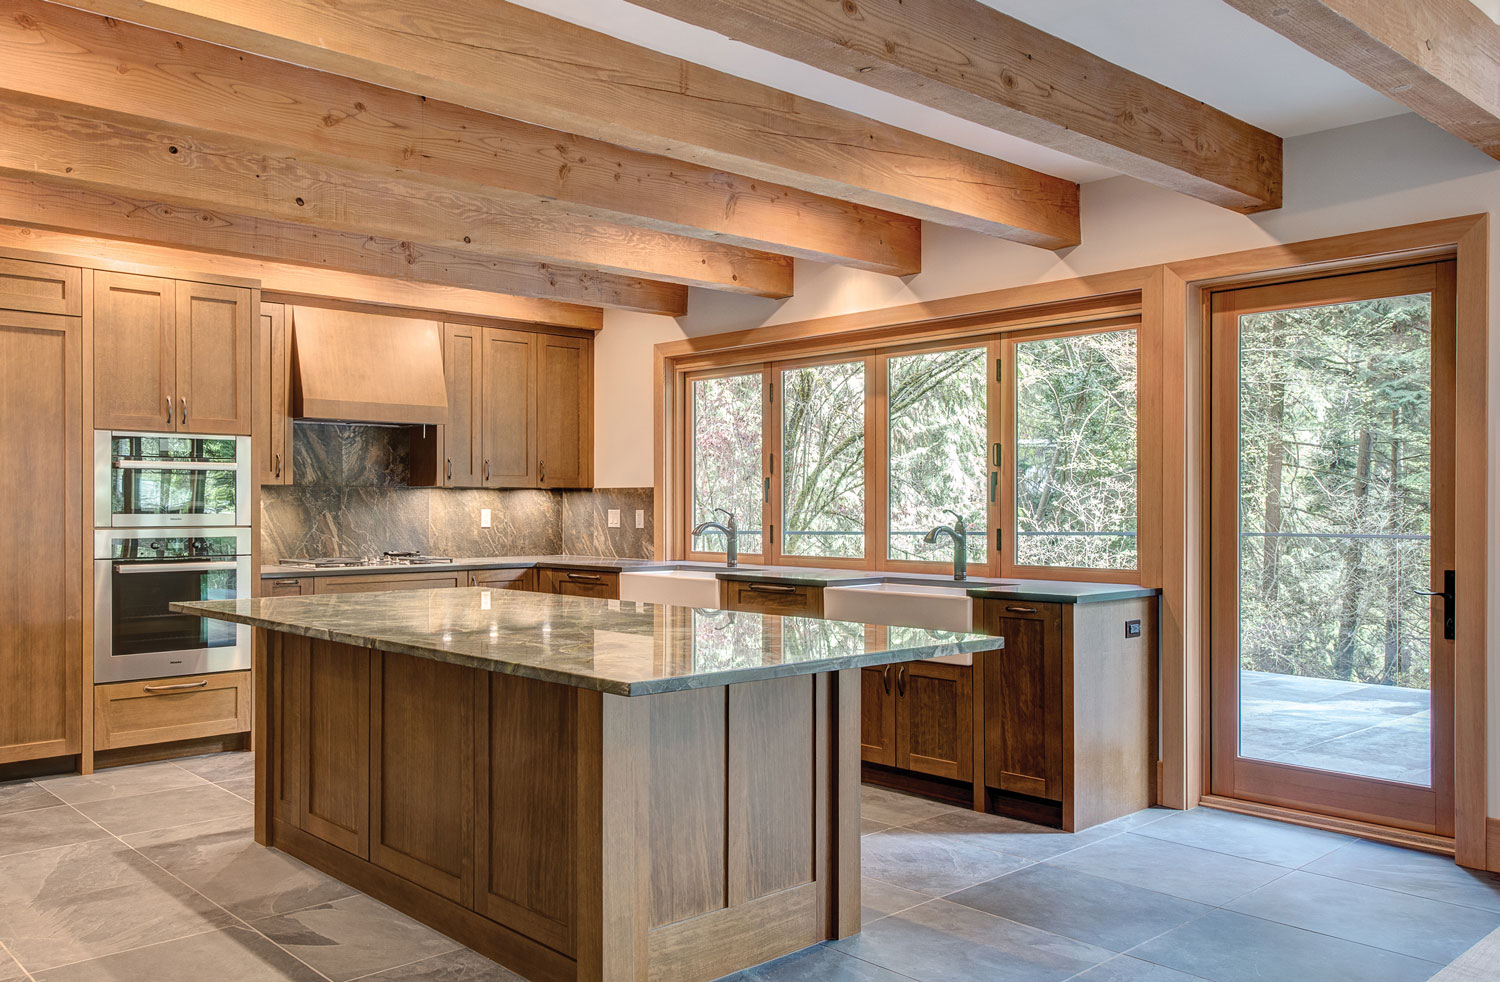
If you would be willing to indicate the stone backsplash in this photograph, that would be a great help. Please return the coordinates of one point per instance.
(351, 497)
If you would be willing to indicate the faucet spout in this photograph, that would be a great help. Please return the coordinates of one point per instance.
(959, 532)
(731, 535)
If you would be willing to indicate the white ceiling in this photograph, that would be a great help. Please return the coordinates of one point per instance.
(1204, 48)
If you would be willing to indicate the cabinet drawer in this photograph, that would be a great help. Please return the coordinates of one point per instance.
(390, 581)
(503, 579)
(284, 587)
(773, 598)
(581, 583)
(132, 714)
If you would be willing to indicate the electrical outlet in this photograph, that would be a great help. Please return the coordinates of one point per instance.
(484, 600)
(1132, 629)
(614, 518)
(640, 518)
(484, 518)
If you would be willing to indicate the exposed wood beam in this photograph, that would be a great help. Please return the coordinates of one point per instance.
(516, 62)
(413, 267)
(74, 56)
(1438, 58)
(178, 167)
(971, 60)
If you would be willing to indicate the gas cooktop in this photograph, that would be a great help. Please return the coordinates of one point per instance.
(384, 559)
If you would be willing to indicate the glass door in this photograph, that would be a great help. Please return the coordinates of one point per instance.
(1330, 528)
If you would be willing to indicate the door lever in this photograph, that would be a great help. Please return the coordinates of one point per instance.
(1450, 628)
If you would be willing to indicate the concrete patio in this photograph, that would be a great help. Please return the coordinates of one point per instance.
(1376, 731)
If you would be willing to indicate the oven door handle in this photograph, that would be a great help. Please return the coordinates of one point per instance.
(165, 566)
(132, 464)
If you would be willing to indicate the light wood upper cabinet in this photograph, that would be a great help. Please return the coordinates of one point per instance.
(565, 412)
(135, 352)
(508, 420)
(171, 356)
(43, 288)
(462, 450)
(213, 358)
(273, 397)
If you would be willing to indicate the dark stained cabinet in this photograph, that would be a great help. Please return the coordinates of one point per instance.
(877, 715)
(334, 799)
(171, 355)
(790, 599)
(935, 719)
(41, 407)
(1023, 698)
(273, 396)
(503, 579)
(579, 583)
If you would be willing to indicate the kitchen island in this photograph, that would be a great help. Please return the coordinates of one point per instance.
(578, 788)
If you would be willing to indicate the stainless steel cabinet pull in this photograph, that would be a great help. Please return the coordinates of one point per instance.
(771, 588)
(1021, 610)
(486, 470)
(278, 465)
(180, 685)
(169, 410)
(591, 577)
(885, 679)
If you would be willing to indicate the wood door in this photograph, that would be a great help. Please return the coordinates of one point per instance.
(335, 795)
(877, 715)
(379, 582)
(508, 404)
(935, 719)
(462, 462)
(41, 613)
(565, 412)
(41, 288)
(272, 428)
(135, 352)
(213, 358)
(1331, 517)
(422, 773)
(1023, 699)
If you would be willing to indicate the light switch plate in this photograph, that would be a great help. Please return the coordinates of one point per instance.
(640, 518)
(484, 600)
(614, 518)
(484, 518)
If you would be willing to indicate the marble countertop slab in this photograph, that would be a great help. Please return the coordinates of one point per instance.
(625, 648)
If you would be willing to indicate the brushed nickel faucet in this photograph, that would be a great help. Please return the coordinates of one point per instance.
(731, 533)
(960, 534)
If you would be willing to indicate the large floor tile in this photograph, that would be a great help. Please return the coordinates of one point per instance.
(931, 864)
(117, 782)
(944, 942)
(1021, 839)
(1475, 965)
(166, 809)
(245, 789)
(879, 898)
(1087, 908)
(222, 861)
(1230, 947)
(462, 965)
(220, 768)
(1171, 867)
(1249, 838)
(65, 905)
(354, 937)
(25, 796)
(235, 954)
(44, 828)
(817, 964)
(894, 808)
(10, 969)
(1123, 968)
(1414, 926)
(1408, 871)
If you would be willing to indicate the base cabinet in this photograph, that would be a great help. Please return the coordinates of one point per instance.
(579, 583)
(919, 717)
(503, 579)
(134, 714)
(1023, 699)
(379, 582)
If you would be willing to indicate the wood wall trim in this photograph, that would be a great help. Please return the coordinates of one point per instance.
(973, 61)
(287, 280)
(524, 64)
(127, 71)
(1405, 838)
(1492, 854)
(1439, 58)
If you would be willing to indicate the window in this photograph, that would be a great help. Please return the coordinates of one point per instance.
(1075, 451)
(727, 439)
(823, 452)
(936, 433)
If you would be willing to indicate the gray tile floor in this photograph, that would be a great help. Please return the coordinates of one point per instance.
(149, 873)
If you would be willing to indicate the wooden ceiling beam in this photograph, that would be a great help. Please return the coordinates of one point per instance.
(516, 62)
(75, 56)
(968, 59)
(179, 167)
(1438, 58)
(412, 267)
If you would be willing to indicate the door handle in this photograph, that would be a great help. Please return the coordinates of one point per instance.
(901, 681)
(1448, 593)
(182, 416)
(885, 679)
(278, 465)
(174, 688)
(169, 410)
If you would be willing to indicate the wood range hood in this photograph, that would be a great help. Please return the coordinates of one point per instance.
(353, 367)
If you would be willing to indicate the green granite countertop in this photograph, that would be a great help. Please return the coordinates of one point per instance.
(625, 648)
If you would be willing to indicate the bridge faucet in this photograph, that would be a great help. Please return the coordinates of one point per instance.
(731, 533)
(960, 534)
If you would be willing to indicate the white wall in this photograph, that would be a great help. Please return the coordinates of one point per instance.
(1388, 172)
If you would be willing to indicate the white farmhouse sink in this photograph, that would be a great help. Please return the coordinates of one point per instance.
(936, 608)
(679, 587)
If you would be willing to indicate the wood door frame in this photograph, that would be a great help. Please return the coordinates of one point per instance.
(1183, 307)
(1231, 775)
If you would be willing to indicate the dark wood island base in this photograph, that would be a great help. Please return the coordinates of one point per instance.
(564, 832)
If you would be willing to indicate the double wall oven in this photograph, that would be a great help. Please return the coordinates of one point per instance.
(172, 523)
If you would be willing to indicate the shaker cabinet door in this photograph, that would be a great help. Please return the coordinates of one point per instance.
(135, 352)
(213, 359)
(508, 419)
(565, 412)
